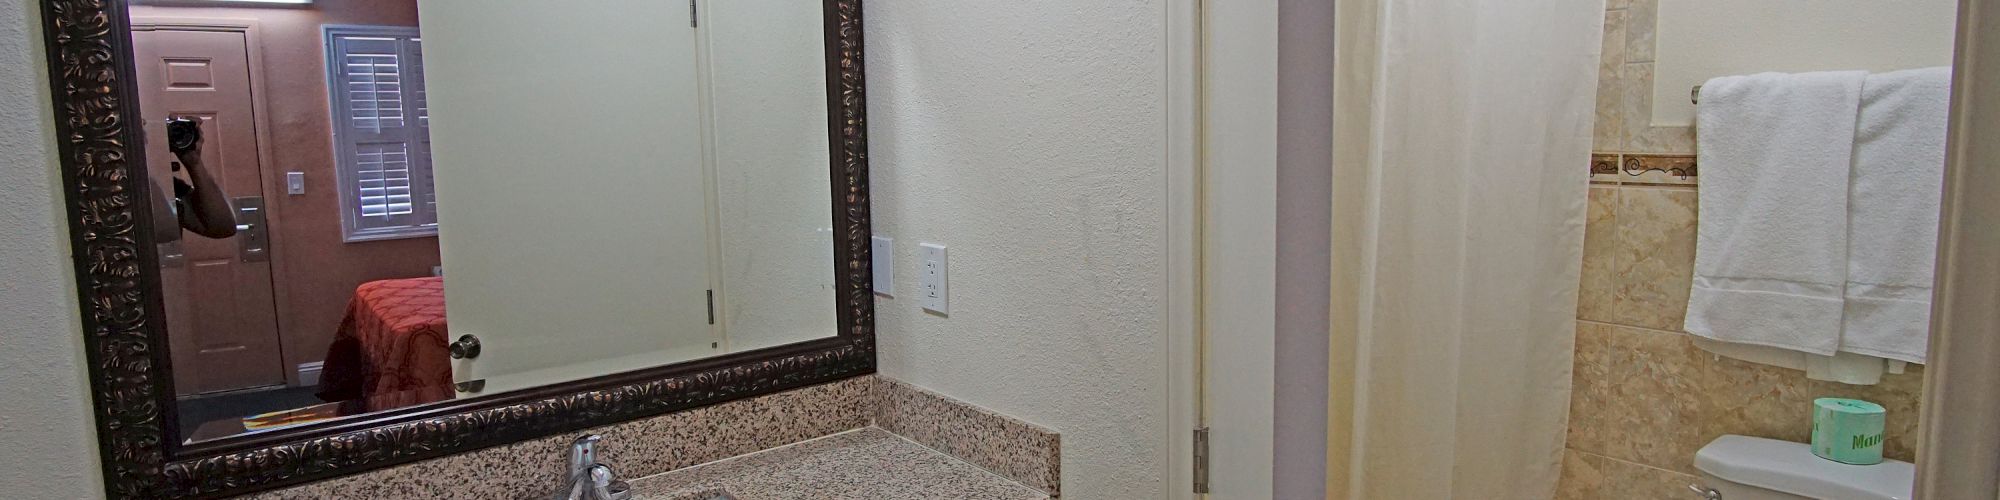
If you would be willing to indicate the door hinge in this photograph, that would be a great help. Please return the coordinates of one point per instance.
(711, 307)
(693, 21)
(1201, 460)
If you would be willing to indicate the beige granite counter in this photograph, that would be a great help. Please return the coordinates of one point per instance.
(865, 437)
(863, 464)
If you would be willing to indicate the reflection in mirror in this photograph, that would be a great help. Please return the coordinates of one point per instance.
(373, 215)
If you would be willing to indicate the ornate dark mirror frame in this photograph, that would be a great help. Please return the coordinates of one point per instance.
(91, 73)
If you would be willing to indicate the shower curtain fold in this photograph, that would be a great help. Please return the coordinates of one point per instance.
(1462, 132)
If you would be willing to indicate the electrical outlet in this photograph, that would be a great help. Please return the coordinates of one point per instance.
(882, 261)
(934, 284)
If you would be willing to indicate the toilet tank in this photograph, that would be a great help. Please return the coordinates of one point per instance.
(1748, 468)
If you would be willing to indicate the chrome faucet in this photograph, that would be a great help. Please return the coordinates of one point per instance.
(589, 480)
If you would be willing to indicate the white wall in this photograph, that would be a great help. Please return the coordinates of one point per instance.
(1702, 39)
(46, 437)
(767, 91)
(1029, 137)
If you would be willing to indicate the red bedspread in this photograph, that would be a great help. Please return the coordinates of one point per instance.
(391, 349)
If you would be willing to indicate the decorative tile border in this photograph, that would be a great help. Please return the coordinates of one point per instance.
(1604, 167)
(1007, 446)
(1657, 169)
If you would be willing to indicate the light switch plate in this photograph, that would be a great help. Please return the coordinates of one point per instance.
(934, 284)
(295, 183)
(882, 261)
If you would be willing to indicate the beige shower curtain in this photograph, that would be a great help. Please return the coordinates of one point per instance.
(1462, 139)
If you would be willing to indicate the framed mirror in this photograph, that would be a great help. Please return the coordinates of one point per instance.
(314, 238)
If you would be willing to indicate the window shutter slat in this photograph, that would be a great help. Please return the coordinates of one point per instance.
(381, 119)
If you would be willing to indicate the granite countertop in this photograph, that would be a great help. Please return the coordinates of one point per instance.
(862, 464)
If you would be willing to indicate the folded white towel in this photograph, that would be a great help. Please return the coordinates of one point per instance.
(1771, 257)
(1892, 206)
(1843, 367)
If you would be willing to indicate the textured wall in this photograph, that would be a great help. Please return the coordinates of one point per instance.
(46, 443)
(1644, 397)
(1030, 138)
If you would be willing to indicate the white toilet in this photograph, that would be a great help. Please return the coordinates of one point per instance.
(1748, 468)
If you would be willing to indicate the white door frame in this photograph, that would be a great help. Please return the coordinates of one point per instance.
(1183, 250)
(1222, 226)
(1961, 401)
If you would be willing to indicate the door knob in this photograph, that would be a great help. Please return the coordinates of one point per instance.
(467, 347)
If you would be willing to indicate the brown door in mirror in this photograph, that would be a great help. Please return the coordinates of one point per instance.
(221, 313)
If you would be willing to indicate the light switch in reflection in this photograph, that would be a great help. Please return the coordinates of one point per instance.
(295, 183)
(882, 260)
(933, 285)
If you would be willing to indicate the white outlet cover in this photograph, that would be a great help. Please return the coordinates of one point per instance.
(934, 280)
(882, 260)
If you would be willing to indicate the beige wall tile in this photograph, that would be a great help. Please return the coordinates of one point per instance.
(1596, 292)
(1636, 78)
(1645, 400)
(1758, 400)
(1643, 19)
(1634, 396)
(1901, 395)
(1587, 476)
(1661, 140)
(1629, 43)
(1593, 387)
(1581, 479)
(1635, 94)
(1630, 481)
(1764, 401)
(1608, 130)
(1656, 239)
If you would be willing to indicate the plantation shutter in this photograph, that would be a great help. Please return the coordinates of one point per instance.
(382, 127)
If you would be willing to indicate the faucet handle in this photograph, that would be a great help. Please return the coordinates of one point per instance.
(583, 453)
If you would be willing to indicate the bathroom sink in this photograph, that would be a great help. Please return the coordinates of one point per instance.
(700, 494)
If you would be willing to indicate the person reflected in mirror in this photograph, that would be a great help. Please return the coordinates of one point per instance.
(198, 204)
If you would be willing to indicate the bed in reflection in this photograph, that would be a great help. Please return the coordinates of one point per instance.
(391, 348)
(389, 352)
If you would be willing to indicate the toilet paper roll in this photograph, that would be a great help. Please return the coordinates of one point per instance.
(1848, 431)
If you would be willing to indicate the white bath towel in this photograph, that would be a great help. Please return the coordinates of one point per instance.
(1892, 206)
(1771, 257)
